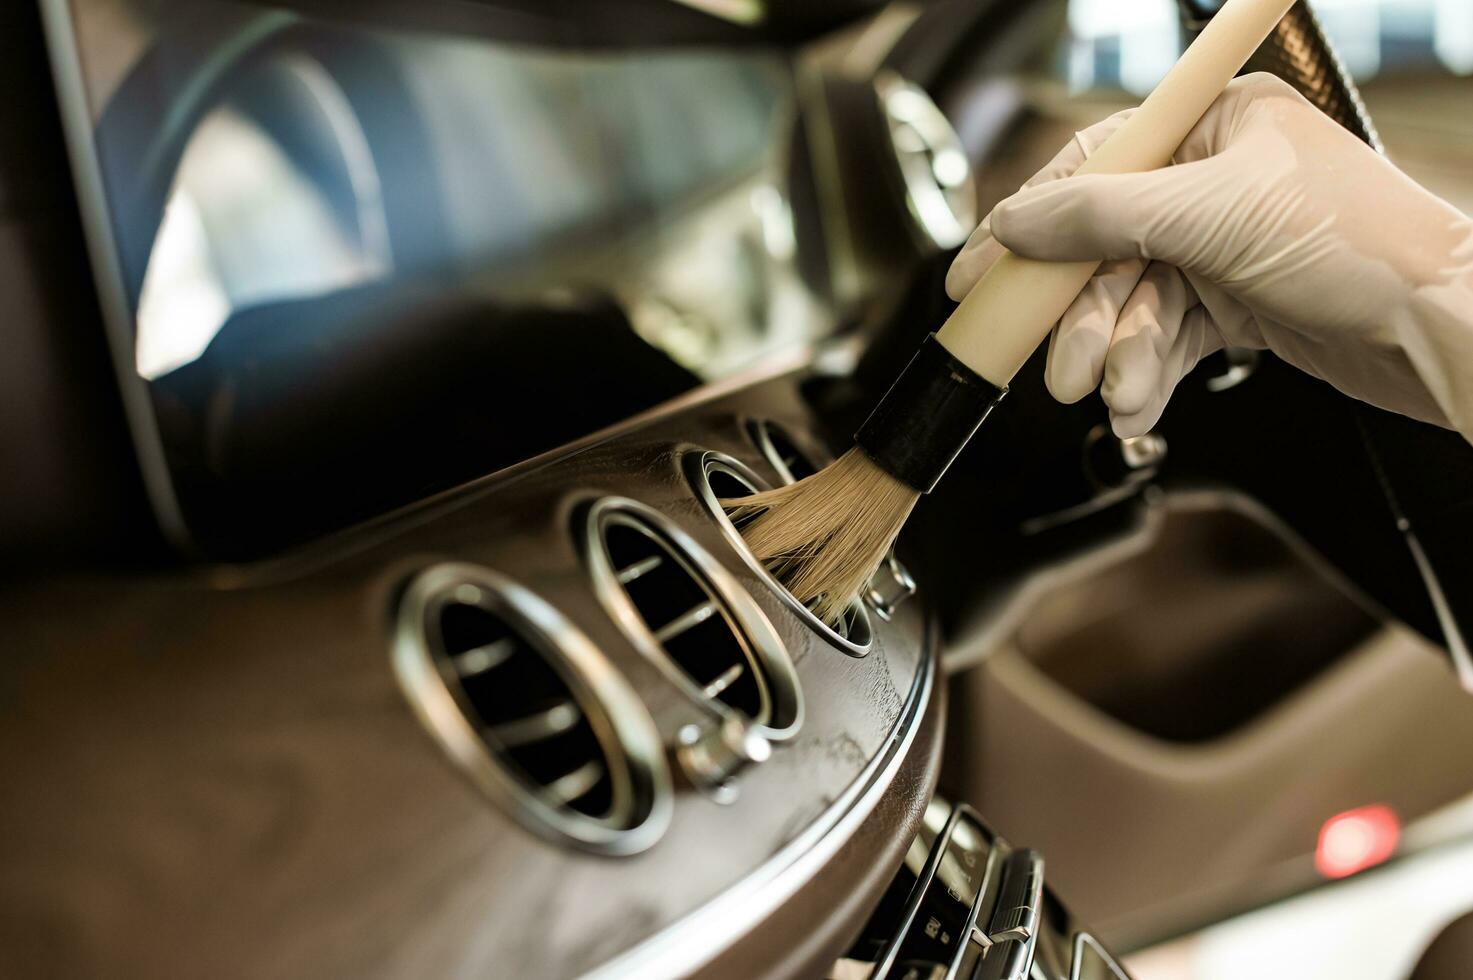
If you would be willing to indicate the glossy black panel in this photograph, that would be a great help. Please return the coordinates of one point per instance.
(352, 263)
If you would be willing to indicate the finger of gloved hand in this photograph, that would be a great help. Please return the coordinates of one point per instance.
(1234, 322)
(982, 249)
(1148, 325)
(1194, 340)
(1158, 214)
(1077, 346)
(972, 262)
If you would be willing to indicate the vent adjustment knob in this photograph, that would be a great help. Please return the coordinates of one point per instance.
(712, 757)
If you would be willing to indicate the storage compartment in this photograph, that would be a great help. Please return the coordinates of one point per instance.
(1162, 641)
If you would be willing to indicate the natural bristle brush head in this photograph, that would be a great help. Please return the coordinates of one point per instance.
(824, 537)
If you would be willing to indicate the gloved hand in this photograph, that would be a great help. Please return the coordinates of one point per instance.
(1275, 229)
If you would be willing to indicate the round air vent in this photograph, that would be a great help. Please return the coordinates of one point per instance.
(529, 708)
(893, 583)
(792, 461)
(934, 170)
(718, 477)
(691, 616)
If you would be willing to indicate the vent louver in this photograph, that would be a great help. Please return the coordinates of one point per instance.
(792, 462)
(527, 706)
(704, 629)
(718, 477)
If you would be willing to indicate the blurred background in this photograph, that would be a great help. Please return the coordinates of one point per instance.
(1411, 58)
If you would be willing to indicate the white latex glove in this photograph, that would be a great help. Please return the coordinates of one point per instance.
(1276, 229)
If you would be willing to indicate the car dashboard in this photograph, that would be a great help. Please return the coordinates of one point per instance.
(471, 739)
(442, 331)
(474, 739)
(441, 337)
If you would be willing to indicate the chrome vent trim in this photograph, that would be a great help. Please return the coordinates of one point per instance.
(794, 461)
(854, 634)
(530, 710)
(790, 458)
(690, 617)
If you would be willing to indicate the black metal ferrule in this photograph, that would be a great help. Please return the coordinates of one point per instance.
(927, 417)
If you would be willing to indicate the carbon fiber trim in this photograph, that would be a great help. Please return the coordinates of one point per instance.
(1298, 52)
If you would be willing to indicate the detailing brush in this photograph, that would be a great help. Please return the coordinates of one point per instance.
(825, 536)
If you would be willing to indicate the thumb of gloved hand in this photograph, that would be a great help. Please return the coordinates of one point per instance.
(1275, 229)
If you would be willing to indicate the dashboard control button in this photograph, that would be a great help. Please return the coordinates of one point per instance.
(944, 918)
(1015, 919)
(1021, 900)
(1008, 960)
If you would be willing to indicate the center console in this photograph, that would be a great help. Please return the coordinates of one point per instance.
(966, 903)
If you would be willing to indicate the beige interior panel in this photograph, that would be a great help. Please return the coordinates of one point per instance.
(1145, 835)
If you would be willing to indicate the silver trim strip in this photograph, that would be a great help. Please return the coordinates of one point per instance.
(973, 932)
(117, 316)
(918, 895)
(1457, 646)
(929, 870)
(1083, 939)
(693, 942)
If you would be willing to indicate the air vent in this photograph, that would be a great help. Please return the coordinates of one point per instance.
(791, 461)
(892, 583)
(691, 616)
(528, 707)
(718, 477)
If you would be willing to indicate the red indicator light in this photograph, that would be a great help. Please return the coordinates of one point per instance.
(1357, 839)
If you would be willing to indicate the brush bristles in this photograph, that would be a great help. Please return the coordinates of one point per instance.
(824, 537)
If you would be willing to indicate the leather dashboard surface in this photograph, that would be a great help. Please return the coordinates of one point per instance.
(214, 772)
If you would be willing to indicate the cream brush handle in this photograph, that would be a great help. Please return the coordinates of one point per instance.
(1009, 312)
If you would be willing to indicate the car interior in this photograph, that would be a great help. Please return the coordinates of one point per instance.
(375, 376)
